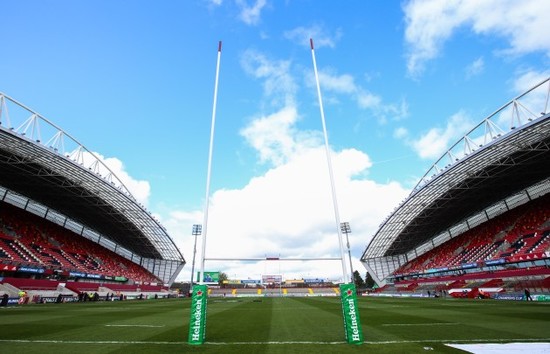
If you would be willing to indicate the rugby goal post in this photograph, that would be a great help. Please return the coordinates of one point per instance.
(197, 324)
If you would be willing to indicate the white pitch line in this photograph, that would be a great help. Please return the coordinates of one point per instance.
(480, 341)
(153, 326)
(87, 342)
(421, 324)
(483, 341)
(275, 343)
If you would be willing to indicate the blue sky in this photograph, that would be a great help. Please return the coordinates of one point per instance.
(401, 81)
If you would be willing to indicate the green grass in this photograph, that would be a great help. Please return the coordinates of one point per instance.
(272, 325)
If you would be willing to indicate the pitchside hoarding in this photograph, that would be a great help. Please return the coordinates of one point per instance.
(352, 324)
(197, 320)
(272, 279)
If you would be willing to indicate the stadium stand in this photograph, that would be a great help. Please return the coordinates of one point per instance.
(65, 216)
(32, 241)
(478, 222)
(515, 238)
(520, 233)
(46, 261)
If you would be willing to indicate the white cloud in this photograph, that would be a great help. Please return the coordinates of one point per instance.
(436, 141)
(344, 84)
(301, 35)
(527, 79)
(141, 190)
(475, 68)
(278, 83)
(430, 23)
(288, 212)
(536, 101)
(366, 99)
(250, 14)
(275, 138)
(400, 133)
(179, 225)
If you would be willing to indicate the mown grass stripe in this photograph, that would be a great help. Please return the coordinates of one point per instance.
(273, 325)
(448, 341)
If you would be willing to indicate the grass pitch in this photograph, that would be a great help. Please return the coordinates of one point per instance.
(270, 325)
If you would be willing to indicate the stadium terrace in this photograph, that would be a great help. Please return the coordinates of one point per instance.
(68, 222)
(478, 222)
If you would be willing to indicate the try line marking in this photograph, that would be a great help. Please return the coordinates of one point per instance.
(446, 341)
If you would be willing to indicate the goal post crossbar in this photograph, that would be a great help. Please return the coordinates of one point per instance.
(272, 259)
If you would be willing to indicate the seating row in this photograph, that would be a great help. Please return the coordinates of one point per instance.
(26, 239)
(522, 231)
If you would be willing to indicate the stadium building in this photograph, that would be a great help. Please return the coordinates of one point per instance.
(480, 217)
(65, 216)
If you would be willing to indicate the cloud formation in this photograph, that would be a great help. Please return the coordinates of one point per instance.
(475, 68)
(278, 84)
(433, 143)
(250, 14)
(430, 23)
(140, 189)
(321, 38)
(276, 139)
(336, 85)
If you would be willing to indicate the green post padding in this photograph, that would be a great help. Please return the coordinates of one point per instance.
(197, 320)
(352, 323)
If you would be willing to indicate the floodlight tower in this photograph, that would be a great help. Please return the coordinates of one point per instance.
(346, 229)
(197, 230)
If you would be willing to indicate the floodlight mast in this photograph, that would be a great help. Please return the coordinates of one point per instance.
(329, 163)
(197, 228)
(209, 172)
(346, 229)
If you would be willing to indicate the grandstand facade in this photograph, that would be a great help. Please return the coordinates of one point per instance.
(74, 215)
(482, 208)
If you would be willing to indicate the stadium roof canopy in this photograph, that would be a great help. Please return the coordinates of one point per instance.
(61, 180)
(486, 173)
